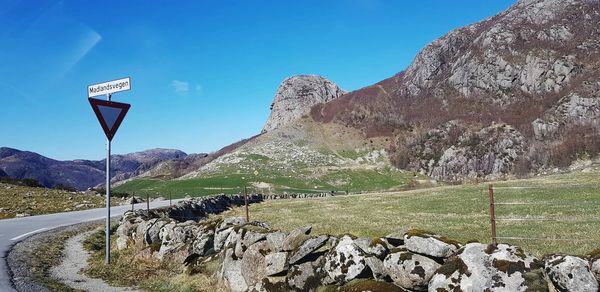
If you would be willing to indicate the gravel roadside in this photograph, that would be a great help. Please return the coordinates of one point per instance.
(75, 259)
(22, 262)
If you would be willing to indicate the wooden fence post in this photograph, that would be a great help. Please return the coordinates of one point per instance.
(492, 215)
(246, 203)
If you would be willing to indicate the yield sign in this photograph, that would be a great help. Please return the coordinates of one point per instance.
(110, 114)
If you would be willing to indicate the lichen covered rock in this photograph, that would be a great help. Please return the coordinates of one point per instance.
(481, 267)
(409, 270)
(570, 273)
(429, 244)
(345, 262)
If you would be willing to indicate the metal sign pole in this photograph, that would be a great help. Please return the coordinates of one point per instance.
(105, 112)
(246, 203)
(107, 233)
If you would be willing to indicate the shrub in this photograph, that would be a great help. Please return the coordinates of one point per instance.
(65, 187)
(30, 182)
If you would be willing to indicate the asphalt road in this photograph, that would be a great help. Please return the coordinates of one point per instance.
(14, 230)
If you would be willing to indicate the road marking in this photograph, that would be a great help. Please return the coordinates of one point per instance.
(28, 233)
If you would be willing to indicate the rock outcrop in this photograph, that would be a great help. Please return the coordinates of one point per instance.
(533, 67)
(454, 151)
(296, 95)
(516, 52)
(571, 110)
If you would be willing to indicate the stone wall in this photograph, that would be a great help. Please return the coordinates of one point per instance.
(254, 257)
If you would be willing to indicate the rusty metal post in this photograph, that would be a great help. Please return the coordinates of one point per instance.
(246, 203)
(132, 202)
(170, 199)
(147, 202)
(492, 215)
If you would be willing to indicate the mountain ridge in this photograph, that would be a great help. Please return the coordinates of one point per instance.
(80, 174)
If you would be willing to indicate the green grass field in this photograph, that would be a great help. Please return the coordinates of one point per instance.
(304, 181)
(565, 209)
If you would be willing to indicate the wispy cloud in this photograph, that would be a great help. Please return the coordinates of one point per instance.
(185, 88)
(180, 87)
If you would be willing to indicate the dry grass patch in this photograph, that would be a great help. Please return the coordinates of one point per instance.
(129, 269)
(569, 203)
(15, 199)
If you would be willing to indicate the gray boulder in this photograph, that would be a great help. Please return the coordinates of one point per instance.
(596, 268)
(296, 238)
(232, 221)
(481, 267)
(430, 244)
(305, 276)
(220, 238)
(275, 240)
(396, 238)
(251, 237)
(126, 230)
(175, 237)
(345, 262)
(308, 247)
(224, 229)
(377, 268)
(253, 264)
(203, 243)
(247, 236)
(276, 263)
(373, 247)
(231, 273)
(569, 273)
(152, 232)
(410, 271)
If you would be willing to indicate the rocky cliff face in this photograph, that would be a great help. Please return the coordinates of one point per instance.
(533, 68)
(296, 95)
(456, 151)
(535, 47)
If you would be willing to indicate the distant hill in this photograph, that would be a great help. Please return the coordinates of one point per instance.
(80, 174)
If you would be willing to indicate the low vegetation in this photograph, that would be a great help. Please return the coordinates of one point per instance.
(132, 269)
(560, 212)
(26, 200)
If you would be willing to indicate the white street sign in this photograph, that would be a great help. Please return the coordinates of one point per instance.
(109, 87)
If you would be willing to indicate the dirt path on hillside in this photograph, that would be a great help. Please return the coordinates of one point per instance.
(74, 261)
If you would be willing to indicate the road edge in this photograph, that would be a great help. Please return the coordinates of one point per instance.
(18, 257)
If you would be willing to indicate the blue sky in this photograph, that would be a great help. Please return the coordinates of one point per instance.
(203, 72)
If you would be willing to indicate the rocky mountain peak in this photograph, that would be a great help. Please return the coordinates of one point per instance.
(296, 95)
(535, 47)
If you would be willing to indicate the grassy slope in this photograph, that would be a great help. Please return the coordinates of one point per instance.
(306, 157)
(459, 212)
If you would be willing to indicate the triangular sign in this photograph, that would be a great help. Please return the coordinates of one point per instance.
(110, 114)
